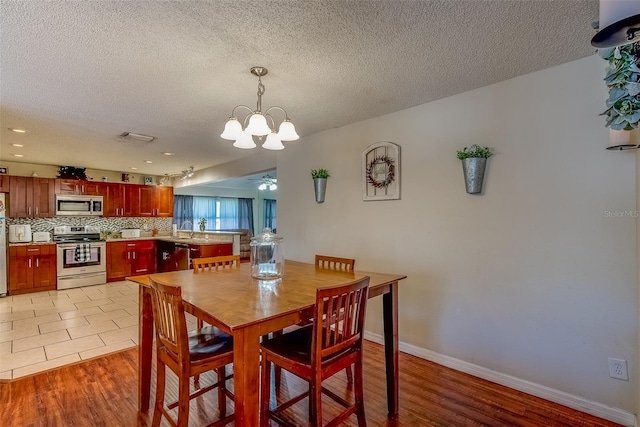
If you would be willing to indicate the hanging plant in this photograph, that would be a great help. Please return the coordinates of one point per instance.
(623, 81)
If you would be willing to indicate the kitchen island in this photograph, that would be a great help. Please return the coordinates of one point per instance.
(150, 254)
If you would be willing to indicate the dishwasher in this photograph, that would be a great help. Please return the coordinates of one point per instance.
(172, 256)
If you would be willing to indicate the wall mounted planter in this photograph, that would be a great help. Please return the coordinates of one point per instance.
(320, 187)
(473, 169)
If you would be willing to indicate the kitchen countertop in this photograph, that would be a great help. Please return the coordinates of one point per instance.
(213, 240)
(210, 238)
(31, 243)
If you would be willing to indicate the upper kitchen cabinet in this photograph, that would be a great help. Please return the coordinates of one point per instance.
(74, 186)
(155, 201)
(119, 199)
(31, 197)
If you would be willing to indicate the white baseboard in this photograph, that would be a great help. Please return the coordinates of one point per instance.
(575, 402)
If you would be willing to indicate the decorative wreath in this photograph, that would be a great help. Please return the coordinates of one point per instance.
(391, 171)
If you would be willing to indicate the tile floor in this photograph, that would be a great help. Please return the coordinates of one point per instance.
(46, 330)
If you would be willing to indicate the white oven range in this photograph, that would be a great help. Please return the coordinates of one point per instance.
(81, 256)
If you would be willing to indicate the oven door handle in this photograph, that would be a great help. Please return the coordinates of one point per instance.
(74, 245)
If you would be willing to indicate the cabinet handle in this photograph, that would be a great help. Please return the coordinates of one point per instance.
(36, 211)
(29, 211)
(82, 187)
(29, 262)
(128, 255)
(37, 262)
(134, 255)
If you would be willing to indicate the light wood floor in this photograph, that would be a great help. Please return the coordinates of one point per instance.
(102, 392)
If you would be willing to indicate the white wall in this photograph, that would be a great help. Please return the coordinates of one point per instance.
(532, 278)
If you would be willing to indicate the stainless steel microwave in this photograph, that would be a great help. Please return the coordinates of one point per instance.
(70, 205)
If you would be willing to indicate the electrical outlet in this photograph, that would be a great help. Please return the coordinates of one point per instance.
(618, 369)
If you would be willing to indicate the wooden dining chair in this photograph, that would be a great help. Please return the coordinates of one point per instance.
(318, 351)
(216, 262)
(187, 355)
(335, 263)
(324, 262)
(340, 264)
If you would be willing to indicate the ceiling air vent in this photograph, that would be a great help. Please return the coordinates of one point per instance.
(136, 137)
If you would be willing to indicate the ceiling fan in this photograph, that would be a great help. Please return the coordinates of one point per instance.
(266, 183)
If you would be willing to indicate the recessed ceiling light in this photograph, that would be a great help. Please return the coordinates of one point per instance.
(17, 145)
(17, 130)
(134, 168)
(166, 153)
(18, 155)
(148, 161)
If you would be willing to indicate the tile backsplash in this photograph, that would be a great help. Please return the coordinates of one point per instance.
(105, 223)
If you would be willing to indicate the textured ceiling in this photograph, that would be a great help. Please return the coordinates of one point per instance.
(77, 74)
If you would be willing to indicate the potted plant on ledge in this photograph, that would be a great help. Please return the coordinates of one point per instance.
(320, 183)
(474, 161)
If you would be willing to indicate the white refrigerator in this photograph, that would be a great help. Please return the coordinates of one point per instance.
(3, 246)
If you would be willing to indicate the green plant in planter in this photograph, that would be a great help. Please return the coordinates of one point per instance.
(623, 81)
(319, 173)
(202, 224)
(475, 151)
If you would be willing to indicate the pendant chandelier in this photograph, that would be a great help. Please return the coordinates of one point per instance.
(255, 123)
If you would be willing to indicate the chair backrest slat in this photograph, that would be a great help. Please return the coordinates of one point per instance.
(339, 319)
(168, 314)
(335, 263)
(214, 263)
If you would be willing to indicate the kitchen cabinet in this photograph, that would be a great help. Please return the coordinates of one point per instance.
(155, 201)
(205, 251)
(32, 268)
(130, 258)
(31, 197)
(119, 200)
(74, 186)
(4, 183)
(177, 256)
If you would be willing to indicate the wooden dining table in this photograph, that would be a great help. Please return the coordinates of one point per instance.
(248, 309)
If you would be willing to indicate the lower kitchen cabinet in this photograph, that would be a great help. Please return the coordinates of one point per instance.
(32, 268)
(130, 258)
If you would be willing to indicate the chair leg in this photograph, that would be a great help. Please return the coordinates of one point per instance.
(359, 394)
(160, 386)
(222, 385)
(349, 375)
(277, 370)
(196, 378)
(265, 392)
(315, 396)
(183, 399)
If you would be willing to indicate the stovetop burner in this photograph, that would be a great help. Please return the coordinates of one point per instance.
(76, 234)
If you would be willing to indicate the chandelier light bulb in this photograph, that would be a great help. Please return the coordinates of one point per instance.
(273, 142)
(262, 186)
(244, 141)
(258, 125)
(273, 187)
(287, 131)
(232, 129)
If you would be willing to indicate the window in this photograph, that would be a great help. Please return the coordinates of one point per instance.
(270, 214)
(221, 213)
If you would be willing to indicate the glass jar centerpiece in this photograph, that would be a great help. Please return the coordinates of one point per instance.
(267, 256)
